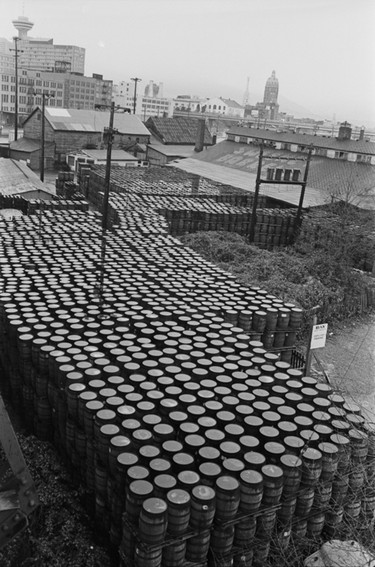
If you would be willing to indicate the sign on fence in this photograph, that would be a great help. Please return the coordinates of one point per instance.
(318, 336)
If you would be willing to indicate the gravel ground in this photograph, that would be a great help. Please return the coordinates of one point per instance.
(349, 361)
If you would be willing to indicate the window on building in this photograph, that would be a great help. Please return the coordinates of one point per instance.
(5, 87)
(59, 102)
(5, 78)
(4, 98)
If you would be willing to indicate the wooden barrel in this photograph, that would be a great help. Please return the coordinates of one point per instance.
(197, 548)
(202, 510)
(265, 524)
(174, 554)
(305, 501)
(273, 477)
(222, 539)
(251, 490)
(228, 495)
(145, 558)
(178, 501)
(153, 521)
(315, 524)
(138, 491)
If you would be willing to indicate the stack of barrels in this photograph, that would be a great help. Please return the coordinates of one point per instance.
(189, 436)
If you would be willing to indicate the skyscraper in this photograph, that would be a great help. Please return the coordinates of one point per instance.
(271, 90)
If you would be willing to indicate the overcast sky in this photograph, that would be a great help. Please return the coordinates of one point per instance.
(323, 51)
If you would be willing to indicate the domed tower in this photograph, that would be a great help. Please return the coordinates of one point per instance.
(271, 90)
(23, 25)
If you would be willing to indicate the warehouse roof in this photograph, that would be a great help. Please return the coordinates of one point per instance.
(355, 146)
(236, 163)
(177, 130)
(71, 119)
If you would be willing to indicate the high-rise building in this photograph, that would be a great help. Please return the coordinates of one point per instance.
(46, 68)
(245, 99)
(271, 90)
(40, 54)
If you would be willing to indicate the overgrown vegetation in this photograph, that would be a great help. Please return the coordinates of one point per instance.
(301, 274)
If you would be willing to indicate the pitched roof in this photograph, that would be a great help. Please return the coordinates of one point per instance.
(177, 130)
(28, 145)
(16, 178)
(355, 146)
(72, 119)
(231, 103)
(171, 150)
(326, 176)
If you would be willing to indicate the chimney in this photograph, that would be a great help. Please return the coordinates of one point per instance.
(161, 90)
(345, 131)
(199, 142)
(362, 133)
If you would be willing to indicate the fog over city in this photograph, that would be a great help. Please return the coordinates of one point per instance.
(323, 51)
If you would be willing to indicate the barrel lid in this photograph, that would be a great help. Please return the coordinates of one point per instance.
(141, 487)
(165, 481)
(159, 465)
(230, 448)
(273, 473)
(251, 477)
(287, 411)
(183, 459)
(127, 459)
(172, 446)
(294, 442)
(178, 496)
(310, 454)
(249, 442)
(232, 465)
(328, 448)
(210, 469)
(214, 435)
(309, 435)
(188, 477)
(208, 453)
(269, 433)
(109, 429)
(274, 448)
(271, 416)
(149, 451)
(324, 431)
(203, 492)
(227, 483)
(290, 461)
(142, 435)
(287, 427)
(254, 459)
(154, 506)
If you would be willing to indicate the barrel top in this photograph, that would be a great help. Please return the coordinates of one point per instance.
(272, 472)
(252, 477)
(227, 484)
(141, 487)
(202, 492)
(311, 454)
(178, 496)
(154, 506)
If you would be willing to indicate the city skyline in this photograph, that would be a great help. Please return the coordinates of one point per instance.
(322, 50)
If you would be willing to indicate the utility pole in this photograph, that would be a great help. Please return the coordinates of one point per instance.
(136, 80)
(107, 181)
(303, 189)
(257, 187)
(16, 53)
(44, 97)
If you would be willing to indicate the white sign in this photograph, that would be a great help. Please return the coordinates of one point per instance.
(318, 337)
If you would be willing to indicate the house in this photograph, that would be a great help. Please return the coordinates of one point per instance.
(29, 150)
(71, 130)
(224, 106)
(174, 138)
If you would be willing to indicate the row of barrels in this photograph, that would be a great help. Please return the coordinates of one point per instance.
(160, 349)
(319, 464)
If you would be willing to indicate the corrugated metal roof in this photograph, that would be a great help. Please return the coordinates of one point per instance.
(239, 161)
(355, 146)
(16, 178)
(93, 121)
(173, 150)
